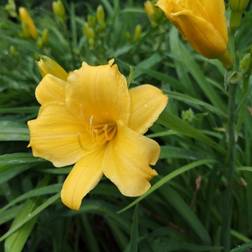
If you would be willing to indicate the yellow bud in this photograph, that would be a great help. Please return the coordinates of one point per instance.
(88, 31)
(43, 40)
(28, 25)
(138, 33)
(100, 15)
(59, 9)
(150, 11)
(149, 8)
(48, 66)
(239, 5)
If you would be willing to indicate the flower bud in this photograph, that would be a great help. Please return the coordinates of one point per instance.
(188, 115)
(100, 16)
(89, 34)
(246, 63)
(138, 33)
(59, 9)
(150, 11)
(43, 40)
(28, 26)
(91, 20)
(48, 66)
(239, 5)
(10, 7)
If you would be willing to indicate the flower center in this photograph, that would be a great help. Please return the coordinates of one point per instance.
(102, 131)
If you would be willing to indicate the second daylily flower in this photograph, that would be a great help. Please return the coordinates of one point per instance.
(202, 23)
(93, 121)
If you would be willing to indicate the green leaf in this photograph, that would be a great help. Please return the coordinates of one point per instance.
(242, 248)
(45, 190)
(175, 123)
(13, 131)
(168, 178)
(34, 213)
(191, 65)
(196, 103)
(16, 241)
(134, 234)
(174, 198)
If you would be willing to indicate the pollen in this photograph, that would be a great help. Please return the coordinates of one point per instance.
(102, 131)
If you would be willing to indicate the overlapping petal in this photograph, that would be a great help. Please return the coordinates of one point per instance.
(147, 102)
(99, 93)
(83, 178)
(216, 14)
(201, 34)
(202, 23)
(127, 159)
(57, 136)
(50, 90)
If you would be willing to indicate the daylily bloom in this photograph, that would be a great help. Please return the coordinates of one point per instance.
(202, 24)
(94, 121)
(29, 27)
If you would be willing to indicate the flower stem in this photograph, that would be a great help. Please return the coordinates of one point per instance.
(230, 167)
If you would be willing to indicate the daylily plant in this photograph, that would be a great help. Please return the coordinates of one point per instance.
(94, 121)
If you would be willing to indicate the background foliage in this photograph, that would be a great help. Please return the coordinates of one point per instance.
(185, 208)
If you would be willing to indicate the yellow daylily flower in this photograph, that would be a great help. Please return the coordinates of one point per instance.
(94, 121)
(202, 23)
(28, 24)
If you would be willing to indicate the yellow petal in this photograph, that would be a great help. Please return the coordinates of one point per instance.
(127, 159)
(50, 90)
(98, 93)
(216, 13)
(202, 35)
(147, 102)
(47, 65)
(57, 136)
(83, 178)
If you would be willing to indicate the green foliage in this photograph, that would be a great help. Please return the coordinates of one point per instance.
(183, 210)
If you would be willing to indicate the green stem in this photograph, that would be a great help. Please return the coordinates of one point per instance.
(230, 168)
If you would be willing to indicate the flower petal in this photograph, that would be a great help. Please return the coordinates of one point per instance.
(98, 92)
(202, 35)
(57, 136)
(216, 13)
(50, 90)
(147, 102)
(127, 159)
(83, 178)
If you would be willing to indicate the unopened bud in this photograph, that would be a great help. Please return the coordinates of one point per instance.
(43, 40)
(48, 66)
(138, 33)
(246, 63)
(89, 34)
(91, 20)
(28, 26)
(239, 5)
(150, 11)
(10, 7)
(188, 115)
(100, 16)
(59, 9)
